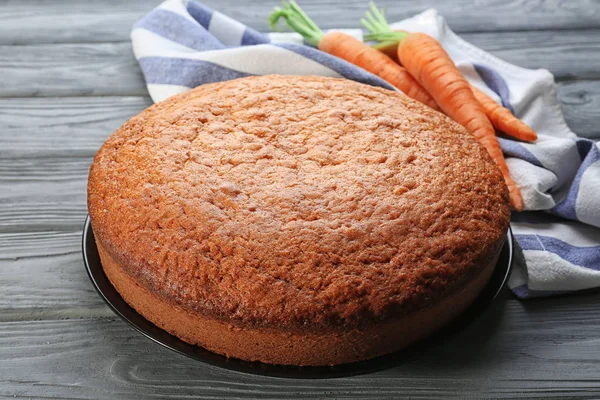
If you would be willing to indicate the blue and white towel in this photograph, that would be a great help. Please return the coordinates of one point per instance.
(181, 45)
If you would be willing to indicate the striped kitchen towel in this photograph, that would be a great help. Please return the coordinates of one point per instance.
(181, 45)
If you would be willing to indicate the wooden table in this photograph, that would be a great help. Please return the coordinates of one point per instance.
(69, 79)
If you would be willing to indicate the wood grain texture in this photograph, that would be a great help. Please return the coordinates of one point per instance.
(569, 54)
(65, 127)
(538, 349)
(77, 21)
(580, 102)
(46, 147)
(70, 70)
(70, 79)
(43, 271)
(109, 69)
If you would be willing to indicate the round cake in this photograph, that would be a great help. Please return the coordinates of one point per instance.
(296, 220)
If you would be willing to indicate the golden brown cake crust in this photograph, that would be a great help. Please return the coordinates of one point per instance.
(297, 203)
(276, 346)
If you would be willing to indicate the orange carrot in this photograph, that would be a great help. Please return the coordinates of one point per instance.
(430, 65)
(352, 50)
(503, 119)
(390, 49)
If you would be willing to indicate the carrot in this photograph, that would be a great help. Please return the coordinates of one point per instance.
(390, 49)
(503, 119)
(430, 65)
(352, 50)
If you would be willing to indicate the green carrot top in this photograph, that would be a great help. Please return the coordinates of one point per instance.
(297, 20)
(378, 27)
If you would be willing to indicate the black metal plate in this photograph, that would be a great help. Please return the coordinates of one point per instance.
(151, 331)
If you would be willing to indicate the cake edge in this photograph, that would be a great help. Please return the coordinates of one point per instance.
(274, 346)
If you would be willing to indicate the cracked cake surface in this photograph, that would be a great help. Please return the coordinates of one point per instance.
(297, 203)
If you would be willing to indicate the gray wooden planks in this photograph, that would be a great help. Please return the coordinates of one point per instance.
(46, 147)
(75, 21)
(69, 80)
(568, 54)
(580, 102)
(109, 69)
(50, 284)
(538, 349)
(67, 127)
(70, 70)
